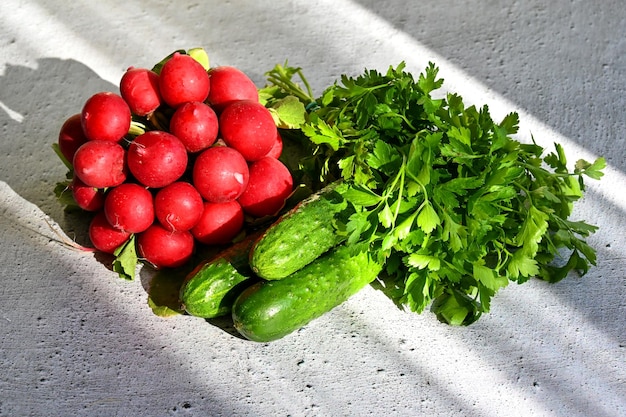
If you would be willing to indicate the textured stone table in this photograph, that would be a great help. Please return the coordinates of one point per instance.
(77, 341)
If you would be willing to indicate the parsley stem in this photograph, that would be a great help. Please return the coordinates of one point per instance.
(538, 170)
(401, 188)
(306, 84)
(390, 189)
(292, 88)
(526, 192)
(281, 78)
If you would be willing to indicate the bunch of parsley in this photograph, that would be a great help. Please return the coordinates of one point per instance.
(454, 203)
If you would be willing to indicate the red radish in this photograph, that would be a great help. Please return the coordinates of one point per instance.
(100, 163)
(71, 137)
(157, 158)
(248, 127)
(105, 116)
(139, 87)
(183, 79)
(129, 207)
(219, 223)
(220, 174)
(164, 248)
(195, 124)
(105, 237)
(269, 186)
(87, 197)
(178, 206)
(277, 148)
(230, 84)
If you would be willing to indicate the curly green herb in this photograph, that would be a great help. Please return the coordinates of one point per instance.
(457, 205)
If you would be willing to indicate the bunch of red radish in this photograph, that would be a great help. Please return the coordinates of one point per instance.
(194, 179)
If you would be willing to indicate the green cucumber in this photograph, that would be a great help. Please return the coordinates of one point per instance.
(211, 288)
(301, 235)
(270, 310)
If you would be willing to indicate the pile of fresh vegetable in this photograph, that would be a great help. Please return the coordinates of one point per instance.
(274, 205)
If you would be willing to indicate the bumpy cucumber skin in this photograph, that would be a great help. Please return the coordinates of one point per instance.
(212, 291)
(270, 310)
(300, 236)
(211, 288)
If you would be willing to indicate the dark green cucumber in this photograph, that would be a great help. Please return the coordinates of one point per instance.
(301, 235)
(211, 288)
(270, 310)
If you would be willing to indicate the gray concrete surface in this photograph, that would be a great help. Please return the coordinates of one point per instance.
(77, 341)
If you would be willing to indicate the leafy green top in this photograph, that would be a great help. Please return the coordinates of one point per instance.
(454, 204)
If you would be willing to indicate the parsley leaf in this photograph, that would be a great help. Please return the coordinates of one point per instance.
(288, 112)
(456, 205)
